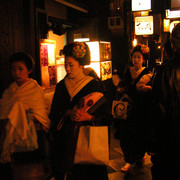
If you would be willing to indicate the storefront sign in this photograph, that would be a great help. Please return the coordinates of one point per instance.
(48, 63)
(172, 14)
(141, 5)
(144, 25)
(166, 24)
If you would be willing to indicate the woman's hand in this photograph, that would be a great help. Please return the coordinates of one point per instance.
(151, 153)
(143, 88)
(121, 89)
(80, 115)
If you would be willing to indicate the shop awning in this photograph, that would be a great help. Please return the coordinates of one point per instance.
(73, 4)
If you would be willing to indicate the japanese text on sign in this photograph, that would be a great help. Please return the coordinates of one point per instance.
(144, 25)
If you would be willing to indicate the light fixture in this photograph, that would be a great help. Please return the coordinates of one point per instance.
(134, 42)
(144, 13)
(166, 23)
(81, 39)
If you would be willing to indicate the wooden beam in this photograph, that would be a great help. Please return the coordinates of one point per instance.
(72, 5)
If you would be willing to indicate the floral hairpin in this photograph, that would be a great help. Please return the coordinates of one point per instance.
(79, 50)
(144, 48)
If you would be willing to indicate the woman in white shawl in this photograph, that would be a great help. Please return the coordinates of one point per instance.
(22, 107)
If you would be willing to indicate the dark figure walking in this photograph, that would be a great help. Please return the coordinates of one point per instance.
(166, 115)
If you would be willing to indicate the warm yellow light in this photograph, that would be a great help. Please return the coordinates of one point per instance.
(96, 67)
(51, 57)
(144, 25)
(94, 48)
(61, 72)
(47, 62)
(60, 61)
(159, 47)
(81, 40)
(51, 52)
(166, 23)
(144, 13)
(106, 70)
(134, 42)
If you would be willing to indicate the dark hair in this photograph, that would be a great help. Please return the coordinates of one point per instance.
(175, 38)
(24, 57)
(168, 48)
(139, 48)
(79, 51)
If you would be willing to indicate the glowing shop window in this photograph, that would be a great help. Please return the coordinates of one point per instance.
(95, 66)
(94, 48)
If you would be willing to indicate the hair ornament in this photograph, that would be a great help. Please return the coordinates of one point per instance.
(144, 48)
(79, 50)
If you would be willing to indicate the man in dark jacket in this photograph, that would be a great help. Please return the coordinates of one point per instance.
(166, 116)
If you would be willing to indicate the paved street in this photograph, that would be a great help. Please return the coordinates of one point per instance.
(117, 161)
(34, 171)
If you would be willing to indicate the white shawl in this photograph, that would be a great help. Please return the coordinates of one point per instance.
(14, 105)
(32, 97)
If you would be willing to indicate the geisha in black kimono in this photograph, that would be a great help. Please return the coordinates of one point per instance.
(68, 94)
(133, 131)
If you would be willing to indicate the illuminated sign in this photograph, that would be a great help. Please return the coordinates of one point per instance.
(166, 23)
(141, 5)
(144, 25)
(172, 14)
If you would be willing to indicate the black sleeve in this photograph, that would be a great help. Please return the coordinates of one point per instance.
(59, 104)
(102, 114)
(156, 115)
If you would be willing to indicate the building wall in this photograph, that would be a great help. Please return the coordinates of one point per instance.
(86, 26)
(55, 9)
(16, 33)
(58, 11)
(22, 25)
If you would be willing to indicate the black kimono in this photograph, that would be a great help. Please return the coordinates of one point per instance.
(62, 148)
(133, 132)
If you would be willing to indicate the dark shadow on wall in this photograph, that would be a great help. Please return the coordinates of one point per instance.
(120, 54)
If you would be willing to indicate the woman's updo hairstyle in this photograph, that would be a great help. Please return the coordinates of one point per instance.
(143, 49)
(78, 50)
(175, 37)
(26, 58)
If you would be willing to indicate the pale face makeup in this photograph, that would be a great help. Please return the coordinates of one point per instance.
(72, 67)
(137, 60)
(19, 72)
